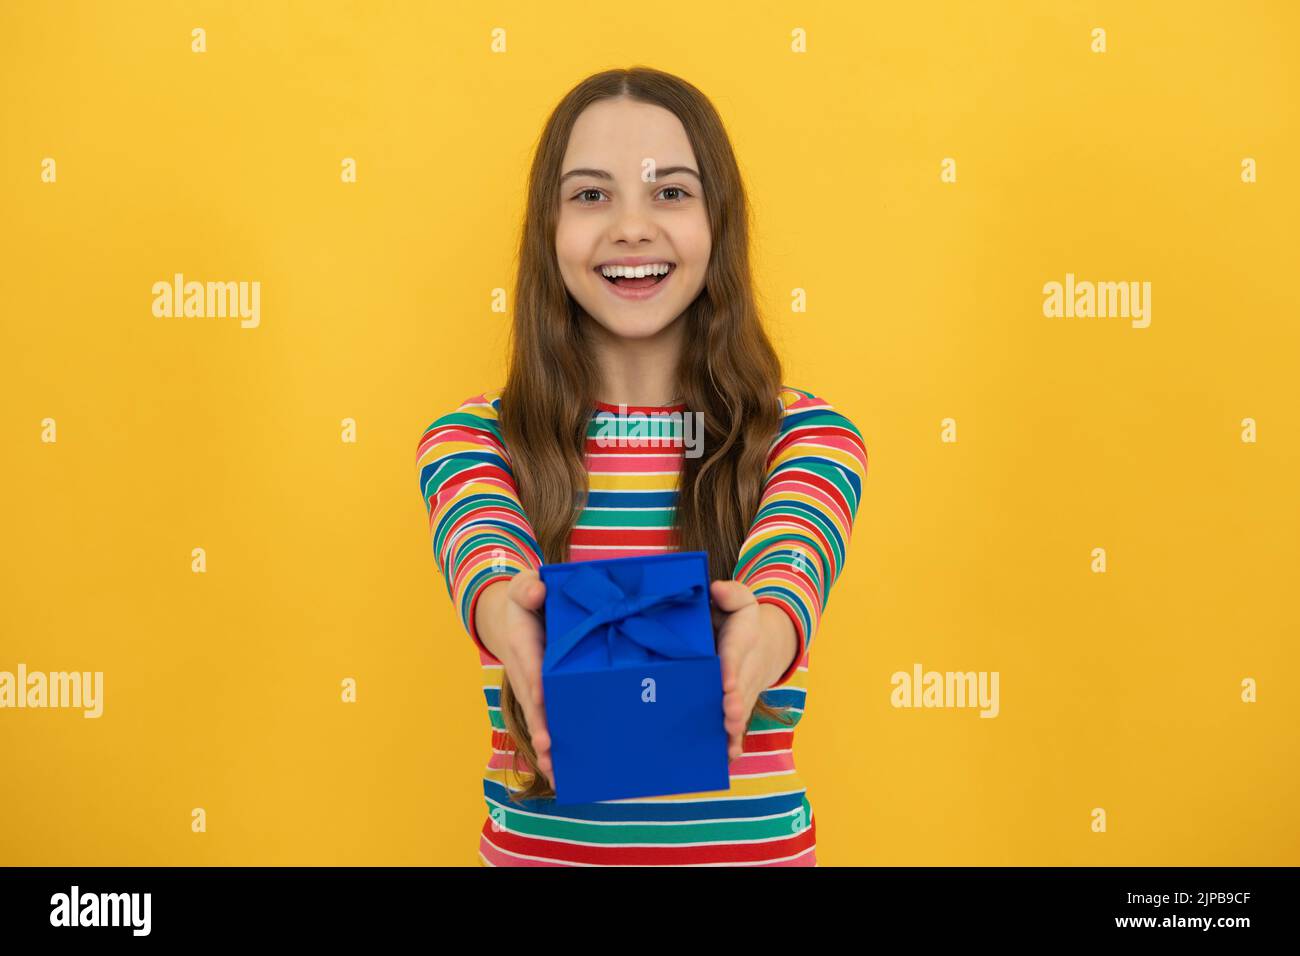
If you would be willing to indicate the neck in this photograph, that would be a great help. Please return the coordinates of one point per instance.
(637, 371)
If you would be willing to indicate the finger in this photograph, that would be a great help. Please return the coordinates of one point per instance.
(727, 664)
(542, 749)
(731, 595)
(736, 658)
(724, 662)
(528, 592)
(531, 699)
(537, 726)
(535, 709)
(541, 739)
(528, 668)
(733, 703)
(537, 729)
(735, 713)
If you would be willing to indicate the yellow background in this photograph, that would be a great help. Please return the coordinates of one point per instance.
(1118, 690)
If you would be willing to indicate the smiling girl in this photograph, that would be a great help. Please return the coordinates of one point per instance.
(634, 297)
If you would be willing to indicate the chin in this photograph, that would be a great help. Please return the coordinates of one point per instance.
(634, 326)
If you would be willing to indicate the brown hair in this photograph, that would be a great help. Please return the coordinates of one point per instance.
(728, 370)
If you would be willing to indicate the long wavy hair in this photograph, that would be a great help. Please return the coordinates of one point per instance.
(728, 368)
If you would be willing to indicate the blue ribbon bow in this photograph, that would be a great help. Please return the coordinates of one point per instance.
(619, 612)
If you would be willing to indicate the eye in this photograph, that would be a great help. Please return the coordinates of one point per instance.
(678, 195)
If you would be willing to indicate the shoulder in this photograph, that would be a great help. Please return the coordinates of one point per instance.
(815, 435)
(477, 414)
(802, 409)
(484, 407)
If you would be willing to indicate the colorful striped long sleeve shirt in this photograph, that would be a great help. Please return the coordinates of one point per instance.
(793, 553)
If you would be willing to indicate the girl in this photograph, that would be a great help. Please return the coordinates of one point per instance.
(634, 299)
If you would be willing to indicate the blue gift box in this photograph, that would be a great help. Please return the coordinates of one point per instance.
(631, 680)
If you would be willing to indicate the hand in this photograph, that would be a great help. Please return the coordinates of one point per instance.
(756, 643)
(522, 647)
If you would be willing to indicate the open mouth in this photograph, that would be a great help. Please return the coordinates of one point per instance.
(628, 281)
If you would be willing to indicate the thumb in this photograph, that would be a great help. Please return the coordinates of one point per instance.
(731, 595)
(529, 591)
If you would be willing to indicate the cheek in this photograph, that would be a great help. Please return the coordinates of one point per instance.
(697, 258)
(573, 249)
(696, 244)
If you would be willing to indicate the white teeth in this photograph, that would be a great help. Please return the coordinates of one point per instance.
(635, 272)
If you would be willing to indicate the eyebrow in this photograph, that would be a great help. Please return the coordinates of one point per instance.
(603, 174)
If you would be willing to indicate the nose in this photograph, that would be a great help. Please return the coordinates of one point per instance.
(633, 222)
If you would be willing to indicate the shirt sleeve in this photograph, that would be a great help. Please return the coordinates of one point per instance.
(796, 546)
(479, 531)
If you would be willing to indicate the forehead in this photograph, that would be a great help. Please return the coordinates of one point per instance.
(618, 134)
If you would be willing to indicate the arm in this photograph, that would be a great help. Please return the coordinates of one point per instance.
(478, 528)
(797, 543)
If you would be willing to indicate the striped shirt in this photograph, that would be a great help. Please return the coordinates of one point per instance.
(791, 556)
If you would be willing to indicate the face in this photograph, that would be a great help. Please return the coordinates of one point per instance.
(610, 215)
